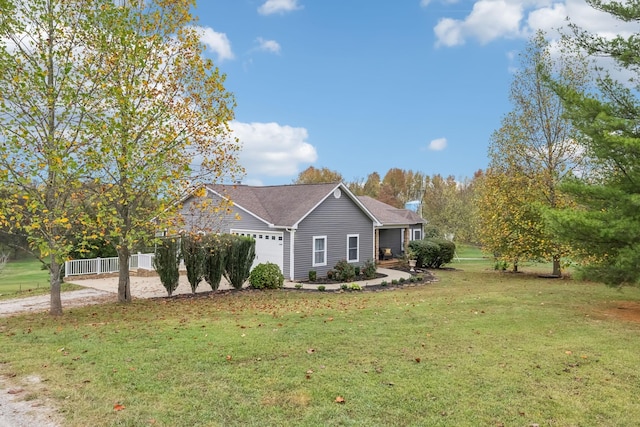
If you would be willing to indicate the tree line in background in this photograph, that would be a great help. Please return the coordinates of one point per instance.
(447, 203)
(563, 181)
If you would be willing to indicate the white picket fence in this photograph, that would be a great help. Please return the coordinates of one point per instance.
(80, 267)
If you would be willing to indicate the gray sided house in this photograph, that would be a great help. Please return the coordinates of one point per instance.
(397, 227)
(298, 227)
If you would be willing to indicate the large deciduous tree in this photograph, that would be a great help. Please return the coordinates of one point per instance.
(45, 99)
(313, 175)
(536, 148)
(163, 124)
(606, 226)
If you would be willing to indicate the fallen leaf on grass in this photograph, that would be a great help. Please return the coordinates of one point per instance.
(340, 399)
(118, 407)
(568, 352)
(15, 390)
(311, 350)
(417, 360)
(229, 357)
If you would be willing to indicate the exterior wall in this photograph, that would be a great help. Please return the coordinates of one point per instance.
(210, 222)
(334, 218)
(392, 238)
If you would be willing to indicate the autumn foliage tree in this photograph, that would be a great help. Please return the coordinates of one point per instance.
(45, 101)
(313, 175)
(162, 128)
(535, 149)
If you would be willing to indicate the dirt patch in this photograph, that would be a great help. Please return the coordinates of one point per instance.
(628, 311)
(18, 408)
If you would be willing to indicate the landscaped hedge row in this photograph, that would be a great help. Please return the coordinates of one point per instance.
(432, 253)
(207, 257)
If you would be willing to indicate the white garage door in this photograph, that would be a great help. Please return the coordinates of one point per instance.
(269, 246)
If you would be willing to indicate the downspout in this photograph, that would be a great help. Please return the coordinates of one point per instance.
(292, 234)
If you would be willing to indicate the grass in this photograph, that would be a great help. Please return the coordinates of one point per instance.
(25, 277)
(476, 348)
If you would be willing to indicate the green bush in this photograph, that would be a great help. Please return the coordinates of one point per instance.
(214, 256)
(447, 251)
(241, 251)
(166, 262)
(312, 275)
(426, 252)
(266, 276)
(194, 255)
(432, 253)
(321, 288)
(345, 272)
(369, 269)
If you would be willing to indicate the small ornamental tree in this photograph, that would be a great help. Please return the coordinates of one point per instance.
(214, 259)
(166, 262)
(193, 254)
(241, 251)
(369, 269)
(266, 276)
(345, 272)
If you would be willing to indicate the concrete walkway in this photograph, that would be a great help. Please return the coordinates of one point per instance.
(390, 276)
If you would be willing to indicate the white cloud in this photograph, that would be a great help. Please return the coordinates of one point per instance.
(272, 149)
(438, 144)
(278, 6)
(215, 42)
(490, 20)
(268, 45)
(424, 3)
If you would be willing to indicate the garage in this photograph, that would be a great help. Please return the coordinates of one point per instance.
(269, 246)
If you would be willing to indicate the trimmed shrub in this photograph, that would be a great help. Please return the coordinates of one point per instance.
(241, 251)
(369, 270)
(432, 253)
(166, 262)
(447, 251)
(266, 276)
(321, 288)
(312, 275)
(194, 256)
(213, 268)
(345, 272)
(426, 252)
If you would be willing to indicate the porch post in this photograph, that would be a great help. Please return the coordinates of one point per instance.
(376, 246)
(406, 240)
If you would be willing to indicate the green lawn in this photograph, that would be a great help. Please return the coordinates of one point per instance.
(477, 348)
(25, 277)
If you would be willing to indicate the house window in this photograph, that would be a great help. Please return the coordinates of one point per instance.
(353, 252)
(319, 251)
(417, 234)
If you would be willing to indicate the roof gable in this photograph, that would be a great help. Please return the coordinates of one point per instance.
(282, 205)
(390, 215)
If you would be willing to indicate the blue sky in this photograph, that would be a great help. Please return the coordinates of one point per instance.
(360, 86)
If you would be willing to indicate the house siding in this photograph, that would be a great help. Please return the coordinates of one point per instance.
(222, 223)
(334, 218)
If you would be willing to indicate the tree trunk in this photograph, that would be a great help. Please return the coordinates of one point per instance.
(55, 308)
(515, 266)
(556, 266)
(124, 283)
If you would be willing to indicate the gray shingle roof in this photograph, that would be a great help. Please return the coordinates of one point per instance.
(389, 215)
(285, 205)
(280, 205)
